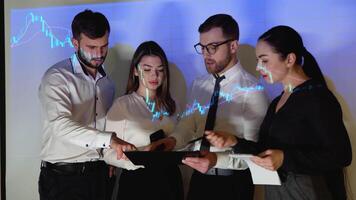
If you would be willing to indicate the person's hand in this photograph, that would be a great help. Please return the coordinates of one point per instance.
(271, 159)
(120, 146)
(168, 142)
(112, 171)
(201, 164)
(221, 139)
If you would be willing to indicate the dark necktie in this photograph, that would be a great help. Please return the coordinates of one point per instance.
(210, 119)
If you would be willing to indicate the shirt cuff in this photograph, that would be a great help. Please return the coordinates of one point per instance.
(287, 164)
(223, 160)
(103, 140)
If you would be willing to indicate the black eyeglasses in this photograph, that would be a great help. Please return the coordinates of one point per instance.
(210, 48)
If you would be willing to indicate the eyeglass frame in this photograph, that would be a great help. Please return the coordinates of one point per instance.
(215, 45)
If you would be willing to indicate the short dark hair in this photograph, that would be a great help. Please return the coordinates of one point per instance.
(92, 24)
(228, 25)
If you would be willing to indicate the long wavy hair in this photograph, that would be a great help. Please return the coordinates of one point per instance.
(163, 98)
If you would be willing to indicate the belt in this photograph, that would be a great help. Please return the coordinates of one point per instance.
(72, 168)
(220, 172)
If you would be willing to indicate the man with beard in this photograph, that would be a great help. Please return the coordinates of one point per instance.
(75, 95)
(226, 101)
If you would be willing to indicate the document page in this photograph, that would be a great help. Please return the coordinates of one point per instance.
(260, 175)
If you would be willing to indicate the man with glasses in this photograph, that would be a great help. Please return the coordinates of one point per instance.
(227, 102)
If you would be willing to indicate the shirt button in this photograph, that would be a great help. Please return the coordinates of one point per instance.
(96, 114)
(103, 145)
(86, 145)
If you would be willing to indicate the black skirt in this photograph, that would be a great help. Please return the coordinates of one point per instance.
(159, 183)
(329, 186)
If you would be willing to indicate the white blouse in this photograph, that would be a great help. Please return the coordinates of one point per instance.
(132, 120)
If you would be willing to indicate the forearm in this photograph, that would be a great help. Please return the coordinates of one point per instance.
(315, 160)
(247, 147)
(69, 131)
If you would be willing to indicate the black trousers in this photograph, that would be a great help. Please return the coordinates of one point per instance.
(151, 183)
(64, 183)
(238, 186)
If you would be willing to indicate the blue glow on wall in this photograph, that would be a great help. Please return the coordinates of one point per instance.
(26, 36)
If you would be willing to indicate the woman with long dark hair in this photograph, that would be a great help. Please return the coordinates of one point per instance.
(302, 136)
(146, 108)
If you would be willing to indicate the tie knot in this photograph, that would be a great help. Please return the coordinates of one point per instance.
(219, 78)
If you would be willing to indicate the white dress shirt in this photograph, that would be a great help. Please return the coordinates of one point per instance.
(131, 119)
(242, 107)
(74, 106)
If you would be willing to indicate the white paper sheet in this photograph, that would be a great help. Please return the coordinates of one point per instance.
(260, 175)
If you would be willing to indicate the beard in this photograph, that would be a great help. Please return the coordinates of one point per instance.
(86, 58)
(214, 67)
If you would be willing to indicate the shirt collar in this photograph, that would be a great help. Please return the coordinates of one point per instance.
(230, 74)
(79, 69)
